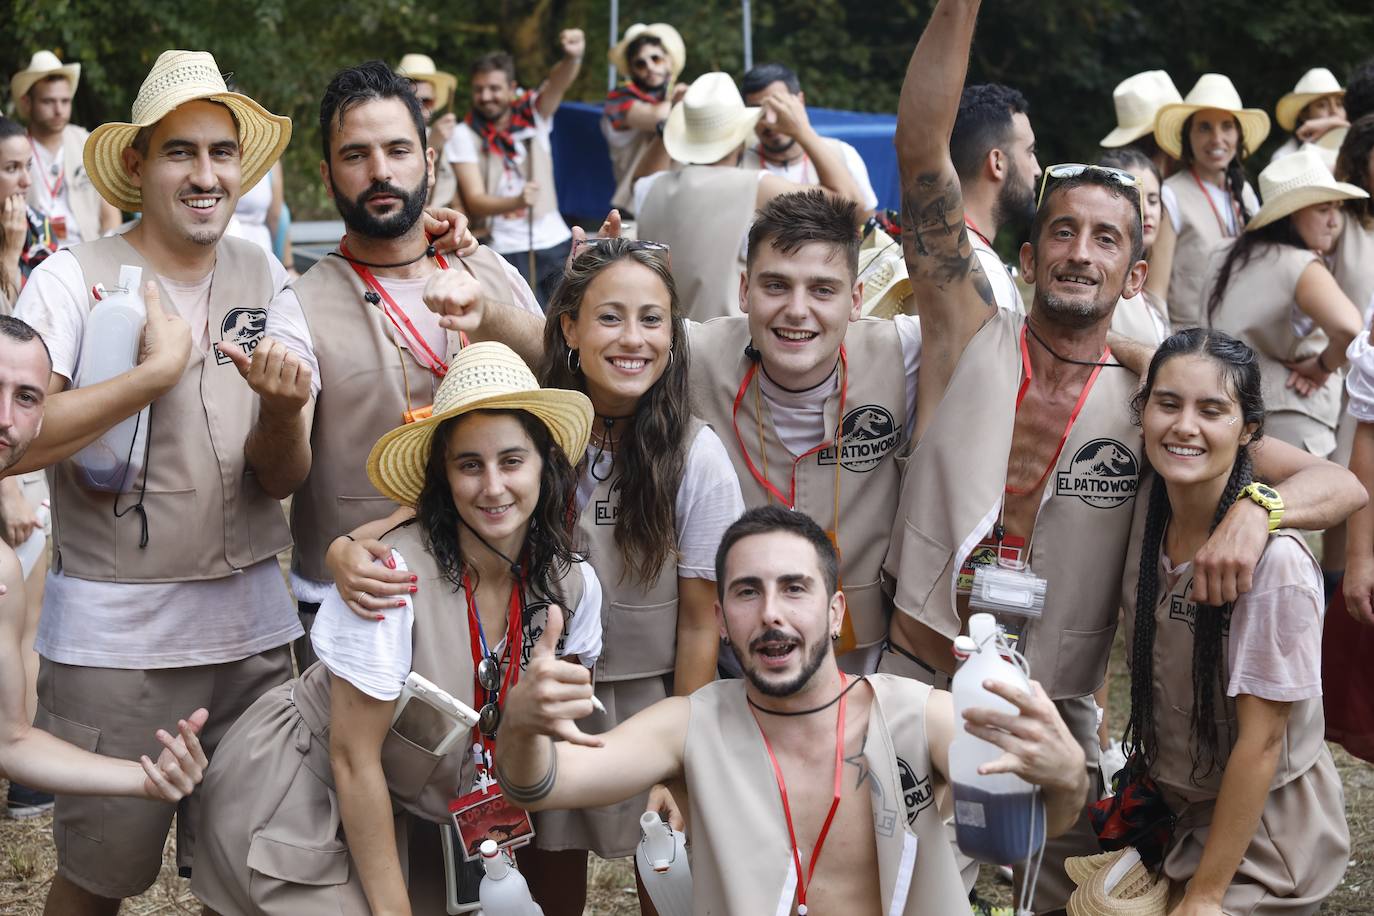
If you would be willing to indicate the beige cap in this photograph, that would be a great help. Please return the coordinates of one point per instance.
(666, 35)
(1137, 98)
(421, 69)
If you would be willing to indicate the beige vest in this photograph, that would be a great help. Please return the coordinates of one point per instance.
(1133, 319)
(420, 782)
(537, 166)
(1258, 308)
(1304, 739)
(624, 160)
(638, 621)
(703, 214)
(741, 853)
(953, 487)
(370, 381)
(206, 515)
(82, 196)
(1353, 264)
(1198, 236)
(866, 472)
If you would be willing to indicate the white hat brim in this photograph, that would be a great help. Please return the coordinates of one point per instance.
(669, 37)
(1254, 124)
(1291, 202)
(704, 152)
(1121, 136)
(443, 83)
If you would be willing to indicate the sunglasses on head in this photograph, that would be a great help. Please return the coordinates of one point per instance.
(630, 245)
(1067, 170)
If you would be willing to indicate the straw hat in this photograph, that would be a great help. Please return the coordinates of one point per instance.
(666, 35)
(484, 376)
(1136, 892)
(179, 77)
(1296, 181)
(1212, 90)
(42, 65)
(1137, 99)
(709, 122)
(882, 267)
(420, 68)
(1314, 84)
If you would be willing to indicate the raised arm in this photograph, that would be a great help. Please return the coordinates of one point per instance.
(788, 115)
(574, 45)
(955, 296)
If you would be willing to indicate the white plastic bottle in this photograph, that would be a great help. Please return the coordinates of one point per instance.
(998, 818)
(661, 858)
(109, 346)
(503, 891)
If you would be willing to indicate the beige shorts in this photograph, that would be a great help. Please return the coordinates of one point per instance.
(110, 846)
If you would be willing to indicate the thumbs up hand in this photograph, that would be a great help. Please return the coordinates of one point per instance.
(551, 694)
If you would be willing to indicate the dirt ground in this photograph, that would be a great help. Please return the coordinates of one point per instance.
(27, 858)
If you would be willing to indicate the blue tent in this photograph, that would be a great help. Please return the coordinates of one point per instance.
(582, 164)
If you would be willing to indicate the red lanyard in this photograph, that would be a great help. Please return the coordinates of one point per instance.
(56, 187)
(1082, 397)
(416, 343)
(1224, 226)
(976, 231)
(791, 499)
(804, 880)
(477, 642)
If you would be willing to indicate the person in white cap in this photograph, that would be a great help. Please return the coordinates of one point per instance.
(650, 58)
(1209, 132)
(434, 88)
(703, 211)
(62, 190)
(1314, 109)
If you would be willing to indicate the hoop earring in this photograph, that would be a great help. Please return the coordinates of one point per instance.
(572, 355)
(670, 357)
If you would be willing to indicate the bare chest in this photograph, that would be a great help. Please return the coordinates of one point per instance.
(1041, 428)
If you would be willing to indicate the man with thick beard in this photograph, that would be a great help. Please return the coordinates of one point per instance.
(767, 756)
(352, 348)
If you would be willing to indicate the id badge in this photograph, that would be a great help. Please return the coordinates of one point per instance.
(1010, 553)
(59, 227)
(487, 815)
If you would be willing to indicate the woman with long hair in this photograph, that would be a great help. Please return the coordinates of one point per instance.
(1209, 132)
(304, 785)
(1215, 684)
(1143, 317)
(656, 492)
(1273, 291)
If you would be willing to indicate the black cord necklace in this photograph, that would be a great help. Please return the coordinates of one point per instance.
(1065, 359)
(429, 252)
(606, 423)
(806, 712)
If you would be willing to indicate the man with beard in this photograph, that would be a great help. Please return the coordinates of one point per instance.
(781, 153)
(650, 57)
(352, 348)
(502, 156)
(42, 94)
(795, 756)
(993, 150)
(1027, 454)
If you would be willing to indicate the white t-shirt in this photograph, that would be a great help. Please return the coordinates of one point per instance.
(147, 625)
(1359, 378)
(1221, 200)
(375, 656)
(803, 171)
(510, 232)
(708, 501)
(1004, 289)
(47, 168)
(799, 416)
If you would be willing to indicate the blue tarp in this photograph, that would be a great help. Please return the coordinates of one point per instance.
(582, 165)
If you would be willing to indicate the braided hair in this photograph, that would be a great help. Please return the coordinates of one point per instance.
(1235, 171)
(1239, 367)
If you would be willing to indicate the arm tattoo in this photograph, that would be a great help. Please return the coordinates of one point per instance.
(934, 236)
(528, 795)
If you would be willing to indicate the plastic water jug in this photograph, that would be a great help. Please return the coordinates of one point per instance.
(504, 891)
(661, 858)
(999, 819)
(109, 346)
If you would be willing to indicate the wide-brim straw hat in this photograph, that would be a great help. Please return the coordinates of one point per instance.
(1314, 84)
(709, 122)
(42, 65)
(420, 68)
(882, 267)
(666, 35)
(484, 376)
(1298, 180)
(1136, 893)
(179, 77)
(1137, 99)
(1212, 90)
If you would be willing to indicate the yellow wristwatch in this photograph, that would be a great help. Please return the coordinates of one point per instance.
(1268, 499)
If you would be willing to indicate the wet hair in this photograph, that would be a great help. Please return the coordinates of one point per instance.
(762, 76)
(766, 520)
(789, 221)
(367, 82)
(495, 60)
(983, 124)
(547, 555)
(651, 454)
(1235, 169)
(1359, 92)
(1238, 366)
(1352, 165)
(1251, 242)
(19, 330)
(1099, 179)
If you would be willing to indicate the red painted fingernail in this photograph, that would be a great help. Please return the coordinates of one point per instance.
(414, 578)
(401, 603)
(414, 589)
(380, 617)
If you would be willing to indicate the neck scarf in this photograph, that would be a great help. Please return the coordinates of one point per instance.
(502, 142)
(620, 99)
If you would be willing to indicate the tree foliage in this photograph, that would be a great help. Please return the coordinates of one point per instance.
(1065, 55)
